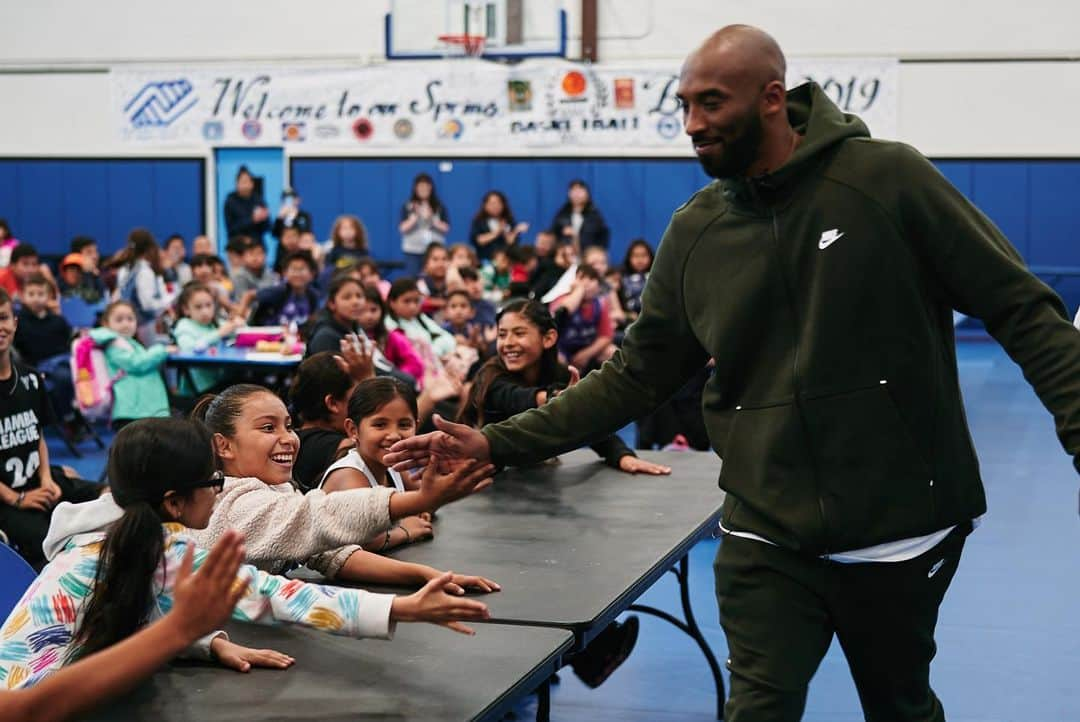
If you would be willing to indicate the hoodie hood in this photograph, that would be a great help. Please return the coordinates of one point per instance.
(82, 523)
(103, 336)
(323, 318)
(822, 125)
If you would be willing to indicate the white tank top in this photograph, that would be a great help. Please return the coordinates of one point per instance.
(353, 460)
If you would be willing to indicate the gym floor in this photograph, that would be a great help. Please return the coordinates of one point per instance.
(1008, 635)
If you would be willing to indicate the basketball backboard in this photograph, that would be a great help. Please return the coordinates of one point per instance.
(511, 29)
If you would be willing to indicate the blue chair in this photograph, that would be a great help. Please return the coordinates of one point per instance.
(79, 313)
(15, 577)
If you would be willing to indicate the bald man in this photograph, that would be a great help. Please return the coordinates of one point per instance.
(820, 270)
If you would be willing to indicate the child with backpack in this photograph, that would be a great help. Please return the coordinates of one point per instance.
(137, 387)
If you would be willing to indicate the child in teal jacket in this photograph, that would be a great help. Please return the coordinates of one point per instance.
(138, 388)
(197, 331)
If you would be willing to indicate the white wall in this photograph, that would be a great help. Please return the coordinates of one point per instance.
(53, 106)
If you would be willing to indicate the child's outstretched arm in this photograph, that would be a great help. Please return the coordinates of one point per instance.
(136, 360)
(201, 602)
(364, 566)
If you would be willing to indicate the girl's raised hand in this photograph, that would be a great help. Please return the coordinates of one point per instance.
(433, 604)
(634, 465)
(355, 359)
(460, 479)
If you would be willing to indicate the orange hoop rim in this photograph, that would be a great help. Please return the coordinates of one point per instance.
(472, 44)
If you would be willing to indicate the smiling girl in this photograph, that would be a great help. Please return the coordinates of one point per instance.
(527, 374)
(256, 448)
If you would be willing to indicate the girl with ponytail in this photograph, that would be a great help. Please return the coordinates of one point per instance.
(115, 561)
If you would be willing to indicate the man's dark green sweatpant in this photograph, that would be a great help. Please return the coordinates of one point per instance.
(779, 611)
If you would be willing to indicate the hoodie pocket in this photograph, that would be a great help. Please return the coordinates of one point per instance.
(875, 483)
(768, 475)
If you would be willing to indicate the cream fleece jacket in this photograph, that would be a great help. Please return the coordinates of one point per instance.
(283, 528)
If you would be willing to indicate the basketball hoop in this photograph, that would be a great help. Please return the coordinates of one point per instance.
(473, 45)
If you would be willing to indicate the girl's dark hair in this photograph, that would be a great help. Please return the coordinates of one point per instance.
(637, 243)
(188, 292)
(220, 412)
(568, 207)
(339, 282)
(368, 263)
(140, 244)
(373, 295)
(243, 170)
(374, 393)
(551, 371)
(433, 199)
(507, 214)
(104, 318)
(148, 458)
(401, 286)
(431, 248)
(6, 228)
(316, 377)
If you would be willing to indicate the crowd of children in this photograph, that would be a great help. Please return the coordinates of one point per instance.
(476, 331)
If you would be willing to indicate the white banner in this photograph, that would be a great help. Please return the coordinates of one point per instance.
(463, 103)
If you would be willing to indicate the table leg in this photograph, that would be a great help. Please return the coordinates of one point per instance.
(690, 627)
(543, 702)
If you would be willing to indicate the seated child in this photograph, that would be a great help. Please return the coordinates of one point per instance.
(201, 245)
(201, 603)
(252, 275)
(496, 276)
(139, 539)
(43, 340)
(426, 335)
(635, 271)
(458, 316)
(256, 448)
(138, 388)
(483, 309)
(335, 323)
(197, 330)
(318, 400)
(70, 282)
(92, 288)
(369, 275)
(586, 331)
(381, 411)
(24, 264)
(392, 345)
(432, 282)
(29, 487)
(288, 244)
(175, 269)
(294, 300)
(319, 397)
(203, 270)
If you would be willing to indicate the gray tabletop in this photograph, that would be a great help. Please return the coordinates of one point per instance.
(574, 543)
(425, 673)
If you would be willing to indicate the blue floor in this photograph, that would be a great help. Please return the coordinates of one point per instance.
(1008, 637)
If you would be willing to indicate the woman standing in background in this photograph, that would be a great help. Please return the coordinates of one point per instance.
(423, 221)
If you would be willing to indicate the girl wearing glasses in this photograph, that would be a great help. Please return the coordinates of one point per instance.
(114, 563)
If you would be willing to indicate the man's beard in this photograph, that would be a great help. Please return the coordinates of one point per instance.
(739, 153)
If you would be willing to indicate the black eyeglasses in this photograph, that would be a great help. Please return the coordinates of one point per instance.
(215, 482)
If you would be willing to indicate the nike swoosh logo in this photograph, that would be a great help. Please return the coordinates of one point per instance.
(934, 569)
(828, 238)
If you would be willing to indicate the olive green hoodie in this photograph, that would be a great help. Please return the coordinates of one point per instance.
(824, 291)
